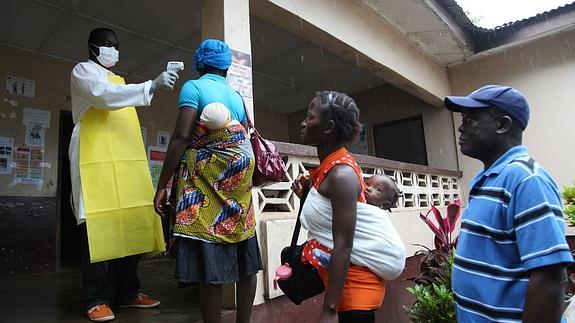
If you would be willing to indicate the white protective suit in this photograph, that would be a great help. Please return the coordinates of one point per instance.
(90, 87)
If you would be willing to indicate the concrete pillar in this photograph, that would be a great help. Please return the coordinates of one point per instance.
(229, 20)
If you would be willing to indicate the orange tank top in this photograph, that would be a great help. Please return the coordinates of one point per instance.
(338, 157)
(363, 290)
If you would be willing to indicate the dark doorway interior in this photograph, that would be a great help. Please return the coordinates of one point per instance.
(401, 140)
(69, 233)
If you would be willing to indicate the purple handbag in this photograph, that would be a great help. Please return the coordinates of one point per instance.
(270, 166)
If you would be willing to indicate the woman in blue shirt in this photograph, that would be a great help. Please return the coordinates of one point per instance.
(214, 231)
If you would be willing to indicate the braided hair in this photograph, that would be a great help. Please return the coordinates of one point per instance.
(395, 194)
(342, 109)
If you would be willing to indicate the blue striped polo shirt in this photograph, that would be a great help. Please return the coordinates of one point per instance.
(513, 223)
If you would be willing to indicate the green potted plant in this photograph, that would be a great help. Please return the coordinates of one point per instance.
(569, 210)
(569, 197)
(432, 290)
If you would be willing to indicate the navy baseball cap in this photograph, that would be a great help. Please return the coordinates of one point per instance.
(503, 98)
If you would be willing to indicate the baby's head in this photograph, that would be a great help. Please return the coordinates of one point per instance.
(215, 116)
(382, 191)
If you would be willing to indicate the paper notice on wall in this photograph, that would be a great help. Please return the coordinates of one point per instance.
(36, 116)
(36, 165)
(20, 86)
(6, 155)
(29, 162)
(163, 139)
(22, 159)
(240, 73)
(156, 157)
(35, 135)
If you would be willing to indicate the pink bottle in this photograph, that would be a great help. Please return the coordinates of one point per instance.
(283, 272)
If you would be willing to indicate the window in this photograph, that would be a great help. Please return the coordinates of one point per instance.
(401, 140)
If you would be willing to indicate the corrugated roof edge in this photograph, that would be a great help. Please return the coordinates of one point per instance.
(459, 15)
(485, 38)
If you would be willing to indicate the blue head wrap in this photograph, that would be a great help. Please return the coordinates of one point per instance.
(213, 53)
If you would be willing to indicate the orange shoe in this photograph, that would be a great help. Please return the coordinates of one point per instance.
(141, 301)
(100, 313)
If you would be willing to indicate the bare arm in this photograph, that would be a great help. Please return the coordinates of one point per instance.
(341, 187)
(176, 148)
(545, 294)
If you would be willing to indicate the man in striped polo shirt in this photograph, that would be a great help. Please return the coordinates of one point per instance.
(510, 261)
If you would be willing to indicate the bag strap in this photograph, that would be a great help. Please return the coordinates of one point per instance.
(297, 227)
(250, 124)
(251, 127)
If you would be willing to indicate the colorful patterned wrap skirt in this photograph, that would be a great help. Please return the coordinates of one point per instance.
(214, 199)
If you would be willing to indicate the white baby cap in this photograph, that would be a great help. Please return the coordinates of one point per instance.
(215, 116)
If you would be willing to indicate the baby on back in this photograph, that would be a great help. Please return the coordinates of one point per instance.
(381, 191)
(214, 116)
(377, 245)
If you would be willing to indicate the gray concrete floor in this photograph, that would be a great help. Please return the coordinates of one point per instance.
(58, 297)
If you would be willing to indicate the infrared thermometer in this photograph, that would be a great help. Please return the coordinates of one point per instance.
(175, 66)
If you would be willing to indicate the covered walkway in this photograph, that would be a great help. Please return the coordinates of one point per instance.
(58, 297)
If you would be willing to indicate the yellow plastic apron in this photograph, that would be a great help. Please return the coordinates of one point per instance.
(116, 185)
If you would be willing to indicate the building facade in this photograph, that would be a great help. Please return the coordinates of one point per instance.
(398, 60)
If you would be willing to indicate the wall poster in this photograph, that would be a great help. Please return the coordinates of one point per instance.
(29, 162)
(156, 157)
(20, 86)
(6, 154)
(163, 139)
(240, 73)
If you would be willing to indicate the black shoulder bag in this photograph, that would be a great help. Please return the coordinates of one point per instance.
(304, 282)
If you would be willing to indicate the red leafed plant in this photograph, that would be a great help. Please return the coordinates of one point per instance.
(435, 266)
(432, 290)
(445, 225)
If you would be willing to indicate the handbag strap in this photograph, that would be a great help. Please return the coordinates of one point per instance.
(295, 235)
(250, 124)
(251, 127)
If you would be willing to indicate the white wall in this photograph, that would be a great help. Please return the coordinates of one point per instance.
(544, 70)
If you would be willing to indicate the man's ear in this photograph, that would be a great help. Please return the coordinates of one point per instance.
(504, 124)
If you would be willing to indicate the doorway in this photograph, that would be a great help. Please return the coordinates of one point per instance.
(69, 246)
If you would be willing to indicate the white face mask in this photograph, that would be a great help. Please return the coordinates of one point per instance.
(108, 57)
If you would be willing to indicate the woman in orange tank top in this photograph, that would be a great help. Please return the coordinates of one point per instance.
(352, 292)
